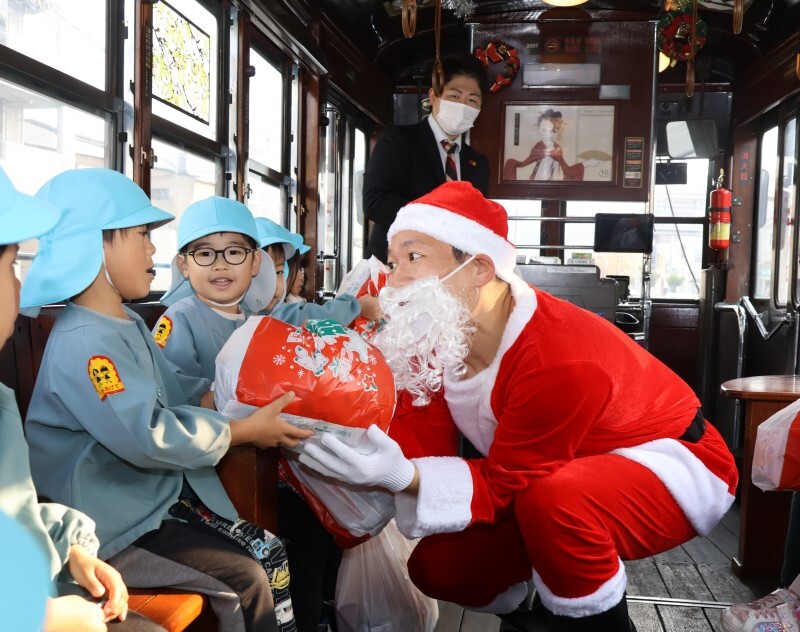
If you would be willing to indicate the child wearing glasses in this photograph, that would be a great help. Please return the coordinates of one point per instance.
(210, 295)
(109, 429)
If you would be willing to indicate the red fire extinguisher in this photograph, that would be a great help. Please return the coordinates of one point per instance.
(719, 234)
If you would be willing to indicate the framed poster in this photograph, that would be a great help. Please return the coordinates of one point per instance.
(556, 143)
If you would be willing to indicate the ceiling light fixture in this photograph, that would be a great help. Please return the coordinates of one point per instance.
(565, 3)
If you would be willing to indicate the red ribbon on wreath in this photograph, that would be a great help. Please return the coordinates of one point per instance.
(497, 50)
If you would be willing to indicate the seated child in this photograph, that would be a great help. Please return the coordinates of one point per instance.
(297, 277)
(108, 426)
(280, 244)
(217, 258)
(63, 538)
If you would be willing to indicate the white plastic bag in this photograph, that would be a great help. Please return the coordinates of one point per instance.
(374, 592)
(355, 281)
(776, 455)
(348, 512)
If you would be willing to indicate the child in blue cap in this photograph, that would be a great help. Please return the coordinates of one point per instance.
(283, 245)
(109, 428)
(212, 286)
(57, 542)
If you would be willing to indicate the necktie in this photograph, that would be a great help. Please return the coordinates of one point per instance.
(450, 171)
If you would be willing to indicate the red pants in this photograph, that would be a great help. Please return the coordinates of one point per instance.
(571, 527)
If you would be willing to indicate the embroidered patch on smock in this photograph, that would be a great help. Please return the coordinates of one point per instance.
(163, 330)
(104, 376)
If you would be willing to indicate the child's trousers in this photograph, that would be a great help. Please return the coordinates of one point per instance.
(231, 564)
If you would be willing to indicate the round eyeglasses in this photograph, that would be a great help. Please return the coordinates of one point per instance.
(205, 256)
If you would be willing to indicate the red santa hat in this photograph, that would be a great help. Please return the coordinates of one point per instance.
(456, 213)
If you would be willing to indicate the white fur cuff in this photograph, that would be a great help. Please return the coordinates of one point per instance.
(602, 599)
(444, 502)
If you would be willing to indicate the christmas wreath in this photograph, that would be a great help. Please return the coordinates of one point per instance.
(675, 35)
(495, 51)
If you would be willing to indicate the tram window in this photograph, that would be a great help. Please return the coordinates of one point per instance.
(677, 260)
(272, 94)
(178, 178)
(786, 226)
(768, 160)
(580, 236)
(40, 137)
(57, 35)
(524, 233)
(684, 200)
(342, 160)
(265, 199)
(266, 113)
(185, 68)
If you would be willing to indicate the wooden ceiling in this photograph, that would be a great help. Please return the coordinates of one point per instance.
(374, 26)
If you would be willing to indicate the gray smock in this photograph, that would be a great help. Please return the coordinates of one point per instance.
(110, 432)
(197, 333)
(54, 527)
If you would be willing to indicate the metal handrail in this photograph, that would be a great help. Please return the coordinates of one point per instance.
(751, 311)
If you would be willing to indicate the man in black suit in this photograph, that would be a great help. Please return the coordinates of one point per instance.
(412, 160)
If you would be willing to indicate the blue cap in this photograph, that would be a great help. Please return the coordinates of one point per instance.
(212, 215)
(296, 240)
(71, 254)
(215, 215)
(271, 233)
(22, 216)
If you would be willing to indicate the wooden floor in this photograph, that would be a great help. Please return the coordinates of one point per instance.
(681, 590)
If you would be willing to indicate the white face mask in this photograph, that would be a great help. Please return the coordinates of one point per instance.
(455, 118)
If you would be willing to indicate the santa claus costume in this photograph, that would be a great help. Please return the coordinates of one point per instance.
(592, 450)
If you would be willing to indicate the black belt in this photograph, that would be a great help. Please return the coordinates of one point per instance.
(696, 429)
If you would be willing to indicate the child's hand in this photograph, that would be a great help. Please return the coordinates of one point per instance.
(67, 614)
(99, 579)
(207, 400)
(370, 307)
(266, 429)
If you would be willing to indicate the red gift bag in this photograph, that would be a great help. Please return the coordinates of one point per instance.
(342, 385)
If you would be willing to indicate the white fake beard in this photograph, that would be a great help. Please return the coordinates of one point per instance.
(428, 330)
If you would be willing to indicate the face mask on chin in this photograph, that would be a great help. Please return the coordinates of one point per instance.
(455, 118)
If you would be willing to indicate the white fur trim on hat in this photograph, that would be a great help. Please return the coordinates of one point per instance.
(458, 231)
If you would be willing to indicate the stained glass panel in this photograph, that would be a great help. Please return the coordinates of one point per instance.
(181, 62)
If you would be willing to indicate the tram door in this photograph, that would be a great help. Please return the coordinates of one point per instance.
(341, 225)
(767, 311)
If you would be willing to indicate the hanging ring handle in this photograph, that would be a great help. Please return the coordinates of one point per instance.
(738, 16)
(409, 18)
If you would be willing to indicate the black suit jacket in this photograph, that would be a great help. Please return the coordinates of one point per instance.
(406, 164)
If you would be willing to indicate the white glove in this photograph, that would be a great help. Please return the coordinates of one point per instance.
(384, 467)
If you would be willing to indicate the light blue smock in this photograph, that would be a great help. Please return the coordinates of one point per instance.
(121, 459)
(54, 527)
(344, 309)
(197, 334)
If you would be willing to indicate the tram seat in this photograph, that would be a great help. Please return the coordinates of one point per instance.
(249, 475)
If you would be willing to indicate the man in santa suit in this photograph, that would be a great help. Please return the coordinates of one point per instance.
(592, 451)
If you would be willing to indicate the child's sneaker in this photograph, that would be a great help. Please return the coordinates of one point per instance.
(733, 618)
(741, 618)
